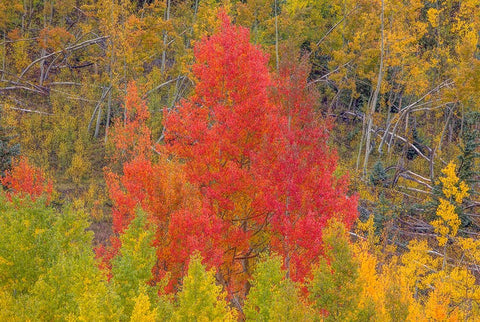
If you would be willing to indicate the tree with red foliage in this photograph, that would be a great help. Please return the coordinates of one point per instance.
(255, 170)
(131, 136)
(303, 192)
(259, 158)
(129, 188)
(25, 180)
(220, 132)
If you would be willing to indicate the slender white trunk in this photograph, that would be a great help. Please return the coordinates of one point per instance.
(373, 102)
(164, 54)
(276, 34)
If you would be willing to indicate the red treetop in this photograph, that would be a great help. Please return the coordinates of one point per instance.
(133, 137)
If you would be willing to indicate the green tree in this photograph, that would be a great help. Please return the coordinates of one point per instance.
(28, 244)
(334, 288)
(273, 296)
(132, 268)
(469, 170)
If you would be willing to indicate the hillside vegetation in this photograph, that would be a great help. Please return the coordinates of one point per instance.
(281, 160)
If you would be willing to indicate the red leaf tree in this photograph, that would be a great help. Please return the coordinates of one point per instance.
(220, 132)
(258, 152)
(245, 167)
(25, 180)
(303, 193)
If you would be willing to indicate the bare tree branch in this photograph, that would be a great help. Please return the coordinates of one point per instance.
(71, 48)
(28, 111)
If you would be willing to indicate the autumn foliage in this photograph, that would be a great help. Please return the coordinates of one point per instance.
(240, 160)
(244, 167)
(303, 192)
(25, 180)
(254, 146)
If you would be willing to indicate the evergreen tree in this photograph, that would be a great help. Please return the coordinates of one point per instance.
(7, 150)
(378, 175)
(468, 169)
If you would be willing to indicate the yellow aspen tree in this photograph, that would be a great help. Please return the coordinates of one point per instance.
(373, 290)
(142, 310)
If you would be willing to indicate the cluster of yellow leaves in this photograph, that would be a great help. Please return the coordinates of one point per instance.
(452, 186)
(415, 286)
(142, 311)
(423, 284)
(455, 191)
(447, 224)
(200, 298)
